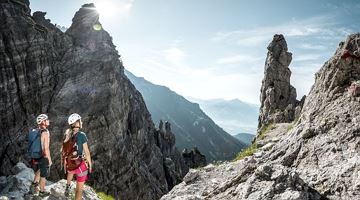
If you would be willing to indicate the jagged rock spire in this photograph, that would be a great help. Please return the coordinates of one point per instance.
(87, 31)
(194, 158)
(278, 96)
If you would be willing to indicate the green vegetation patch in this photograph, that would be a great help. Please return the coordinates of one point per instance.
(264, 130)
(252, 148)
(246, 152)
(104, 196)
(217, 162)
(291, 126)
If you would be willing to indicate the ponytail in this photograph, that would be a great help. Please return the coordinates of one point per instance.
(68, 134)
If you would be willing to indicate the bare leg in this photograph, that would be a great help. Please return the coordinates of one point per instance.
(69, 178)
(79, 189)
(37, 176)
(35, 184)
(42, 184)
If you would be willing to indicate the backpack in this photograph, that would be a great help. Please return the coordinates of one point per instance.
(70, 155)
(34, 148)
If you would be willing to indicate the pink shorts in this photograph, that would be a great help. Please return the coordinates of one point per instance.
(81, 172)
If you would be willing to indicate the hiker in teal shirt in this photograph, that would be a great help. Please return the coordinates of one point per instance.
(76, 156)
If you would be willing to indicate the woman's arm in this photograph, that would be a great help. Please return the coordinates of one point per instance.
(87, 155)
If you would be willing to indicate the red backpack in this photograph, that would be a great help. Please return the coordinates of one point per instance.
(70, 156)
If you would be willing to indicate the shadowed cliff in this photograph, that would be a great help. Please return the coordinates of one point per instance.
(44, 70)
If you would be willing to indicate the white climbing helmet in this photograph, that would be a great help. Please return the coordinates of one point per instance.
(73, 118)
(41, 118)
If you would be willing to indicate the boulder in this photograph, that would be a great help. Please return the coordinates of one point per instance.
(18, 184)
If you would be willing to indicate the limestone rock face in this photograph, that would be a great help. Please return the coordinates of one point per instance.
(278, 96)
(44, 70)
(242, 180)
(323, 146)
(18, 183)
(316, 157)
(31, 61)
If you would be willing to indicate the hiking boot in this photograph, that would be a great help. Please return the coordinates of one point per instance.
(67, 190)
(34, 188)
(44, 194)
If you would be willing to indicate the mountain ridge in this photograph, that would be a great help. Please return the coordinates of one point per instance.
(191, 126)
(245, 137)
(235, 116)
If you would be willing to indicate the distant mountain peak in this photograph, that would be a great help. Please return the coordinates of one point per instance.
(233, 115)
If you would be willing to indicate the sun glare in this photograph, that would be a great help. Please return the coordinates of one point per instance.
(113, 10)
(106, 8)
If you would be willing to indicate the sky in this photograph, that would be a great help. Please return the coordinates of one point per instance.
(209, 49)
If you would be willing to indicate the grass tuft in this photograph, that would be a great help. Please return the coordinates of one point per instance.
(252, 148)
(217, 162)
(246, 152)
(104, 196)
(264, 130)
(291, 126)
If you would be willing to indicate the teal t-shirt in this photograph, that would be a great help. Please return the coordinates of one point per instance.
(80, 140)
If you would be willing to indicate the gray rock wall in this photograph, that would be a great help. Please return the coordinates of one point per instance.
(323, 146)
(315, 158)
(45, 70)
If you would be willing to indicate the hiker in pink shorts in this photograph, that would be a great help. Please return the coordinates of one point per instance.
(76, 156)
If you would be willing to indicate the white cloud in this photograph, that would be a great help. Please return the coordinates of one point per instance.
(318, 26)
(242, 37)
(168, 67)
(202, 83)
(174, 55)
(306, 69)
(312, 46)
(177, 42)
(303, 77)
(238, 59)
(320, 30)
(255, 40)
(306, 57)
(239, 73)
